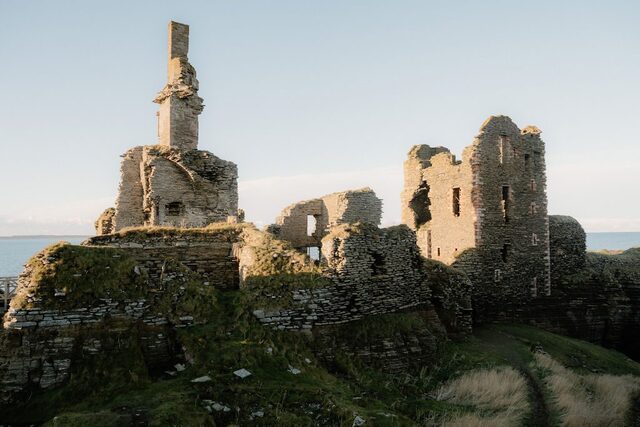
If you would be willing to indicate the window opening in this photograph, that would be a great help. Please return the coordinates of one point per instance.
(503, 148)
(456, 202)
(312, 223)
(313, 252)
(505, 252)
(378, 267)
(173, 209)
(505, 203)
(534, 287)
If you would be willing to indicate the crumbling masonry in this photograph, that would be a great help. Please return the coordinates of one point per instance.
(305, 224)
(486, 214)
(173, 183)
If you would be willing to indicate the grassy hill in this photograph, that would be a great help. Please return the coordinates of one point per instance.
(502, 375)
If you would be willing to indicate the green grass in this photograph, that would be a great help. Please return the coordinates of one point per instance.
(119, 388)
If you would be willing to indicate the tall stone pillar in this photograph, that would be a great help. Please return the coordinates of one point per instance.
(179, 102)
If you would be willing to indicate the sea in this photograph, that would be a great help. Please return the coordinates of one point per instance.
(16, 251)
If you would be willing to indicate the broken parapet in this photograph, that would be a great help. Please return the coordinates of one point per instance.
(173, 183)
(304, 224)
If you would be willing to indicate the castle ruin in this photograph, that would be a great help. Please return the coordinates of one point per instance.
(486, 213)
(173, 183)
(305, 224)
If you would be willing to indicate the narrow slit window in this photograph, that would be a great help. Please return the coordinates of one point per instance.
(456, 202)
(505, 252)
(312, 223)
(534, 239)
(526, 161)
(533, 208)
(429, 244)
(503, 148)
(438, 251)
(533, 185)
(534, 287)
(505, 203)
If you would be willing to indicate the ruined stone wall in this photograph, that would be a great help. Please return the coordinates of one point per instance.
(512, 232)
(174, 184)
(567, 247)
(486, 214)
(415, 209)
(329, 211)
(179, 102)
(129, 210)
(450, 231)
(209, 254)
(104, 224)
(64, 316)
(394, 343)
(170, 187)
(374, 271)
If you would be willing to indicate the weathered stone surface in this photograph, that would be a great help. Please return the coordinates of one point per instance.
(328, 211)
(104, 223)
(372, 271)
(487, 214)
(173, 183)
(179, 102)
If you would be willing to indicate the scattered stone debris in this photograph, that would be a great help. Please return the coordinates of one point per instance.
(294, 371)
(203, 379)
(358, 421)
(242, 373)
(211, 406)
(256, 414)
(179, 367)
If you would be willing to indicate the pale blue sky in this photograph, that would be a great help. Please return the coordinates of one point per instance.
(310, 97)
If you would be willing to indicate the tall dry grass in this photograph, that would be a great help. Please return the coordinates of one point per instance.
(500, 396)
(588, 400)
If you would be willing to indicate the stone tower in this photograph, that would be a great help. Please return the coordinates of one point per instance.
(179, 102)
(486, 213)
(173, 183)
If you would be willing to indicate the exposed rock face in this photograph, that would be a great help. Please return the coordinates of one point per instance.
(173, 183)
(293, 224)
(491, 206)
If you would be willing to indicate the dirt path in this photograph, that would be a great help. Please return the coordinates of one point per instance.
(504, 344)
